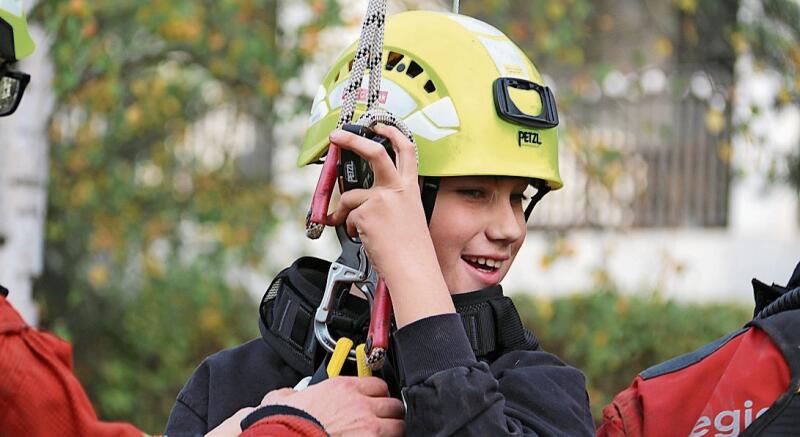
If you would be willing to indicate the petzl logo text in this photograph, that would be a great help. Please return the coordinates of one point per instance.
(528, 139)
(350, 172)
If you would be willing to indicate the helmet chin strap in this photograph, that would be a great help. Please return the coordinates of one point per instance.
(541, 190)
(430, 187)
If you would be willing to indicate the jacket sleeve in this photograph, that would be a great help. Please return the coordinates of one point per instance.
(281, 421)
(449, 392)
(39, 393)
(624, 415)
(189, 415)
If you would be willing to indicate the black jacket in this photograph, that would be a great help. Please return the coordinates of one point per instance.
(509, 387)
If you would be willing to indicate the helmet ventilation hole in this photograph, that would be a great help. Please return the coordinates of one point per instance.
(393, 59)
(430, 87)
(414, 70)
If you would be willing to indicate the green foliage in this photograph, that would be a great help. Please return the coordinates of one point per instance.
(156, 338)
(143, 228)
(612, 337)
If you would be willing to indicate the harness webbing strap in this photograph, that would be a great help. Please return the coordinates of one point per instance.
(490, 321)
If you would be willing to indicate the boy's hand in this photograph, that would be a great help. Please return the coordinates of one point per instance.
(390, 221)
(347, 406)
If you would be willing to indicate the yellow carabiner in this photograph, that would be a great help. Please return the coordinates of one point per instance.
(343, 346)
(361, 361)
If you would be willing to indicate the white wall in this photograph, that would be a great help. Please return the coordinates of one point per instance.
(23, 181)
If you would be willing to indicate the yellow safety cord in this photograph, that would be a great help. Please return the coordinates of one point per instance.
(361, 361)
(339, 357)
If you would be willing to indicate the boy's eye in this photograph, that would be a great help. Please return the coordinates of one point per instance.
(472, 193)
(518, 198)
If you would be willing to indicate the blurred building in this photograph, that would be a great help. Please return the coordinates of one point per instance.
(661, 193)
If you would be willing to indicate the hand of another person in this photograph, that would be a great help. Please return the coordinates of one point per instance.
(231, 427)
(347, 406)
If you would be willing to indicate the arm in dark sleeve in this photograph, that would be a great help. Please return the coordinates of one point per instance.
(448, 392)
(189, 414)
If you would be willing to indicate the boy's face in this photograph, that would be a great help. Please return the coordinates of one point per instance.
(478, 226)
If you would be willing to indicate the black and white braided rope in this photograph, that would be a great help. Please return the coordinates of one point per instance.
(368, 56)
(375, 116)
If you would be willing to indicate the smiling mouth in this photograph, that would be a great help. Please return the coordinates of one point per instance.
(483, 264)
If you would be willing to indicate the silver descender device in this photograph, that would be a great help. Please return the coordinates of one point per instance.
(351, 268)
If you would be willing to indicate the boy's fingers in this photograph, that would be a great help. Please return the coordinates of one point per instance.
(349, 201)
(372, 152)
(404, 150)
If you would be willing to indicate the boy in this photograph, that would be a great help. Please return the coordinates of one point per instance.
(461, 359)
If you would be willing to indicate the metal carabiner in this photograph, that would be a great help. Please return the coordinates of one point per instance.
(352, 267)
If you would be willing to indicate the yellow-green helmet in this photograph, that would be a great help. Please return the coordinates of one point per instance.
(15, 39)
(474, 101)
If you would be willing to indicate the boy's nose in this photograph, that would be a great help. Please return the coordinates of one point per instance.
(505, 224)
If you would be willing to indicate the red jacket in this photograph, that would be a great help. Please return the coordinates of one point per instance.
(40, 396)
(718, 390)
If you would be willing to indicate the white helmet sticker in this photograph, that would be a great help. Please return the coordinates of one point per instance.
(319, 108)
(13, 6)
(476, 26)
(443, 113)
(421, 126)
(507, 57)
(392, 97)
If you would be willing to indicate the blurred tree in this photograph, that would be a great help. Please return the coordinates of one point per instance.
(770, 32)
(145, 222)
(612, 337)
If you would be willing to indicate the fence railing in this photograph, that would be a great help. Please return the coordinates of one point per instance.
(652, 162)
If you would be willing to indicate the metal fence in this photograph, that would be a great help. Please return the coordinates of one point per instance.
(650, 162)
